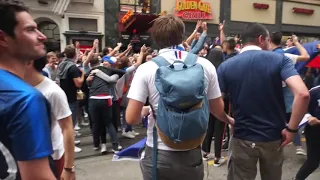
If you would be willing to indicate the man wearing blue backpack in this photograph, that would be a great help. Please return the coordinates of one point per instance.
(182, 89)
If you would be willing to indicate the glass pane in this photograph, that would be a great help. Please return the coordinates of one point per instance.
(131, 2)
(126, 8)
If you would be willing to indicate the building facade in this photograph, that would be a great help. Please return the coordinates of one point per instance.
(300, 17)
(67, 21)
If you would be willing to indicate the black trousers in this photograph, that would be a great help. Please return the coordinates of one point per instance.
(312, 134)
(216, 128)
(116, 114)
(101, 114)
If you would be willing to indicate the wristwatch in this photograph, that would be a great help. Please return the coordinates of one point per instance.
(71, 170)
(292, 130)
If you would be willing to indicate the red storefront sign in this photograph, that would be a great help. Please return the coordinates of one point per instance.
(193, 9)
(260, 6)
(302, 11)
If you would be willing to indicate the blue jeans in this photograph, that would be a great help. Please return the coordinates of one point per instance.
(73, 107)
(297, 139)
(125, 126)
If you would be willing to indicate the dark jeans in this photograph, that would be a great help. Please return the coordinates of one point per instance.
(101, 116)
(313, 153)
(73, 107)
(116, 114)
(216, 128)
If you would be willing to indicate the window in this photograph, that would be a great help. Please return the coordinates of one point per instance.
(77, 24)
(138, 6)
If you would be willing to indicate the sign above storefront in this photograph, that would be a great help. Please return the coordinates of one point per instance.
(193, 9)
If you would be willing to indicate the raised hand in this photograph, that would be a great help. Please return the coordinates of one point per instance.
(221, 26)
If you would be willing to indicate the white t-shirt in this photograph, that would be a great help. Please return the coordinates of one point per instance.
(143, 86)
(293, 58)
(59, 110)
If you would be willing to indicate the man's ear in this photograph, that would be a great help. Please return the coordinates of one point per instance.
(3, 39)
(30, 64)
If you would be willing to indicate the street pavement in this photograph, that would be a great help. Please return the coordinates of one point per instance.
(91, 165)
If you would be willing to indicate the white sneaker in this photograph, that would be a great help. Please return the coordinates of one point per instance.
(76, 127)
(84, 124)
(96, 148)
(219, 162)
(77, 142)
(103, 148)
(77, 150)
(85, 115)
(128, 135)
(134, 133)
(301, 152)
(207, 157)
(77, 134)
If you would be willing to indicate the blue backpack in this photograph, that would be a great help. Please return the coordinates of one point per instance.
(183, 109)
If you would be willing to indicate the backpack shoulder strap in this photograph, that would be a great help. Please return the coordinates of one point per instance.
(191, 59)
(160, 61)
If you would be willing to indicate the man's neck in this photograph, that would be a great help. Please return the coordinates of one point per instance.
(230, 51)
(13, 65)
(273, 46)
(34, 78)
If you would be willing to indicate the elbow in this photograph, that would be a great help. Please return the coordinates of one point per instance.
(130, 120)
(304, 57)
(304, 95)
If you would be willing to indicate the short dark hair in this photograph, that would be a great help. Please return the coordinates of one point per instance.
(252, 32)
(8, 10)
(40, 63)
(276, 37)
(105, 50)
(168, 30)
(70, 51)
(94, 60)
(231, 44)
(61, 55)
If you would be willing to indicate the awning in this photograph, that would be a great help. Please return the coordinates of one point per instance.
(138, 23)
(61, 6)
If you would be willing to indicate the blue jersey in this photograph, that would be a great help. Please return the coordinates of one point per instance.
(25, 132)
(254, 81)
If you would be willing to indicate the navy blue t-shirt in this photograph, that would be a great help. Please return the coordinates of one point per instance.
(254, 81)
(314, 110)
(25, 132)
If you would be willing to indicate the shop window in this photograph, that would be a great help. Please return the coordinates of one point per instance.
(77, 24)
(52, 32)
(138, 6)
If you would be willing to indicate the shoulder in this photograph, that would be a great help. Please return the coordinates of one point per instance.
(209, 69)
(206, 64)
(74, 67)
(50, 88)
(147, 67)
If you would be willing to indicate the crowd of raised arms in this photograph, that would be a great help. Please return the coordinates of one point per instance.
(244, 93)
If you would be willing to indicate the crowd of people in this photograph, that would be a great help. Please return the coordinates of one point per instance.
(241, 92)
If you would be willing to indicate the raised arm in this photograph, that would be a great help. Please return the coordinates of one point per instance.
(191, 37)
(115, 50)
(222, 34)
(199, 45)
(129, 48)
(304, 55)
